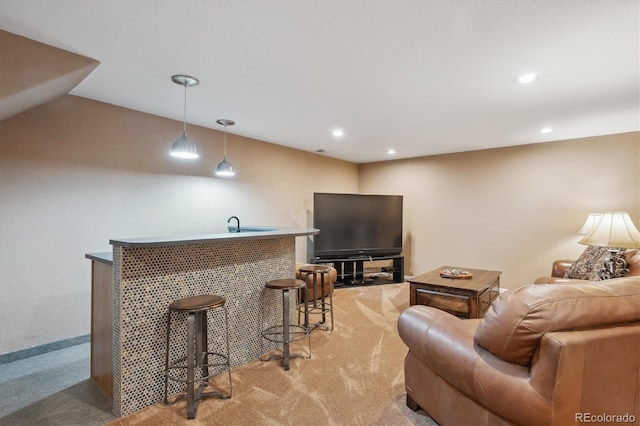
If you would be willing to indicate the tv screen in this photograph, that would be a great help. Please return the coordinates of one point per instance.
(356, 225)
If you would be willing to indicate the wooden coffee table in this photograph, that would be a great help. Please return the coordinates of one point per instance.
(463, 297)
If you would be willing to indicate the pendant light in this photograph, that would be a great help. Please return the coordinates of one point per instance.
(183, 147)
(225, 169)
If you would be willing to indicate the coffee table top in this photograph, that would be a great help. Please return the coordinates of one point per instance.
(481, 279)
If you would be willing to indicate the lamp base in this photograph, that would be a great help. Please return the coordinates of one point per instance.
(615, 266)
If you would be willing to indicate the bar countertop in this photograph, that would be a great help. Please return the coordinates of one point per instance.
(104, 257)
(246, 233)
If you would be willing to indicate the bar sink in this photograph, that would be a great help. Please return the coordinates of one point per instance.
(250, 229)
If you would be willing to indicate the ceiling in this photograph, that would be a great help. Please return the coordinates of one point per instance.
(422, 77)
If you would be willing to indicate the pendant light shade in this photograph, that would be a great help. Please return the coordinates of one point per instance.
(184, 147)
(225, 168)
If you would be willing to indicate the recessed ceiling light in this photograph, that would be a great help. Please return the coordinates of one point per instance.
(391, 151)
(527, 78)
(337, 133)
(546, 130)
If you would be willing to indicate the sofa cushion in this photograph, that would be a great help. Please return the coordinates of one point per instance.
(633, 261)
(515, 323)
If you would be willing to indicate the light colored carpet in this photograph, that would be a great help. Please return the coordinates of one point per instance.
(355, 375)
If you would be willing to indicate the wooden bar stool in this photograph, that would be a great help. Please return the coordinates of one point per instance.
(318, 304)
(286, 333)
(197, 358)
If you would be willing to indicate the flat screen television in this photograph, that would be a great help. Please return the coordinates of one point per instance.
(357, 225)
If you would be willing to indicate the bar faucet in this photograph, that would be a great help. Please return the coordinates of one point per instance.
(236, 218)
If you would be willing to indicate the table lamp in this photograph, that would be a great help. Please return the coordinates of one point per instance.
(616, 231)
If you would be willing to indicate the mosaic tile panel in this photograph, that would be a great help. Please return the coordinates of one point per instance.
(147, 280)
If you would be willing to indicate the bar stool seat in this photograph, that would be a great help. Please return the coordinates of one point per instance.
(318, 304)
(286, 333)
(198, 353)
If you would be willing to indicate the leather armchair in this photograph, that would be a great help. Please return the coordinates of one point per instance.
(542, 355)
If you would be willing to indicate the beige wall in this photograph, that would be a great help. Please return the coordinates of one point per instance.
(75, 173)
(510, 209)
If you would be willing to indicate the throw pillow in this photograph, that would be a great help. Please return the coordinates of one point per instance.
(590, 259)
(595, 274)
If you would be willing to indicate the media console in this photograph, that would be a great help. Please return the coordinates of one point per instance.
(351, 270)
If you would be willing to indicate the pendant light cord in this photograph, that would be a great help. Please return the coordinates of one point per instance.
(184, 119)
(225, 142)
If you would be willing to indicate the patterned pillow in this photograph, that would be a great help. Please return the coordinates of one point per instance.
(589, 264)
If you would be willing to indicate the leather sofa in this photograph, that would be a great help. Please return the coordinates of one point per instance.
(542, 355)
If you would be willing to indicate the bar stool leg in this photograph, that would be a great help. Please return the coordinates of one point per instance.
(202, 344)
(324, 307)
(306, 306)
(305, 299)
(306, 314)
(226, 321)
(166, 360)
(305, 277)
(191, 411)
(315, 291)
(322, 274)
(331, 300)
(285, 329)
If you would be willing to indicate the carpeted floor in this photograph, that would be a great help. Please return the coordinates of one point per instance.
(355, 375)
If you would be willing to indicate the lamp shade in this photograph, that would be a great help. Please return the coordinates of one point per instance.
(590, 223)
(184, 147)
(614, 229)
(225, 169)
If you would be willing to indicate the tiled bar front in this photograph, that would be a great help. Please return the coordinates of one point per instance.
(148, 279)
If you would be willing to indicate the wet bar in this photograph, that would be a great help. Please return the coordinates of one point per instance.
(147, 274)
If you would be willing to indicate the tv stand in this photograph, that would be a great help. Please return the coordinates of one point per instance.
(351, 270)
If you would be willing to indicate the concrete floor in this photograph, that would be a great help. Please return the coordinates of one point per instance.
(52, 389)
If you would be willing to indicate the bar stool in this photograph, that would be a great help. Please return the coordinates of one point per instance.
(196, 308)
(286, 333)
(318, 307)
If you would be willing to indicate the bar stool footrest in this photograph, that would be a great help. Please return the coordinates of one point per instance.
(317, 310)
(273, 357)
(200, 395)
(275, 333)
(176, 365)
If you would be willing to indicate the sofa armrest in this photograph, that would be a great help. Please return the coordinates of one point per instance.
(589, 371)
(442, 341)
(560, 267)
(558, 270)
